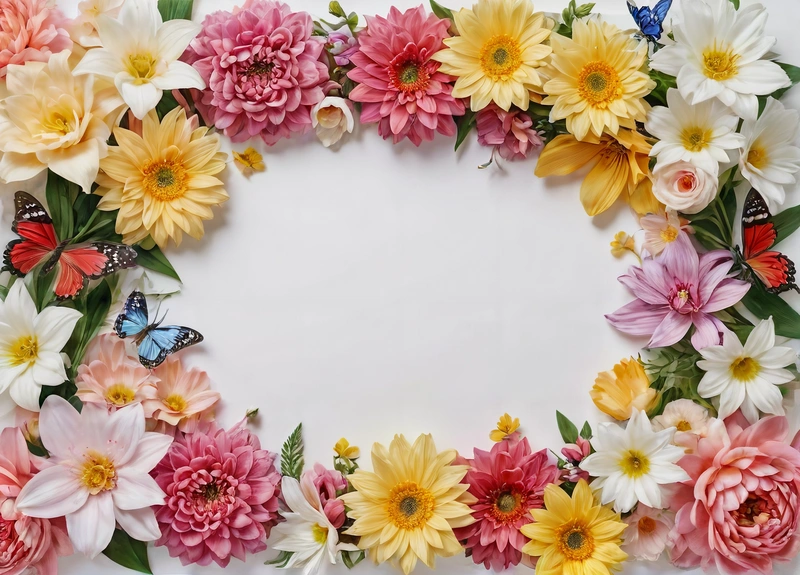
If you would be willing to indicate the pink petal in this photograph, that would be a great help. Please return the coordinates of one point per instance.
(53, 492)
(708, 330)
(638, 318)
(671, 330)
(92, 526)
(728, 293)
(59, 425)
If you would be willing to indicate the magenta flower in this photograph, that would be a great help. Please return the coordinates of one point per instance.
(676, 290)
(222, 496)
(399, 85)
(262, 68)
(511, 133)
(508, 482)
(342, 45)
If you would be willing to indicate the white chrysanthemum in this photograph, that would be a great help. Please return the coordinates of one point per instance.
(718, 53)
(700, 134)
(746, 375)
(30, 346)
(769, 159)
(632, 464)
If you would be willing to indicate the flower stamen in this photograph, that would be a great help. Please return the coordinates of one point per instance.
(24, 350)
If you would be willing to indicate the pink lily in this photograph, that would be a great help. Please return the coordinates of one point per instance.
(676, 290)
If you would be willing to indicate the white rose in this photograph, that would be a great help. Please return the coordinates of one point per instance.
(683, 187)
(331, 118)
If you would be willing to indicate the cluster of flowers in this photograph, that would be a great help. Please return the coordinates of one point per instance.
(128, 108)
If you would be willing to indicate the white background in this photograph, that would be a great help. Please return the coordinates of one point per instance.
(381, 289)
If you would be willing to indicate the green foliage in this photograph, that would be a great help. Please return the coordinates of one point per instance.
(60, 196)
(735, 3)
(94, 307)
(794, 75)
(569, 433)
(128, 552)
(664, 82)
(441, 11)
(347, 558)
(281, 560)
(292, 454)
(586, 431)
(465, 124)
(570, 13)
(674, 374)
(764, 304)
(175, 9)
(786, 223)
(714, 225)
(154, 259)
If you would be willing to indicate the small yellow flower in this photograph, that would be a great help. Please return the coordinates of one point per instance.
(624, 389)
(345, 450)
(505, 427)
(622, 243)
(249, 161)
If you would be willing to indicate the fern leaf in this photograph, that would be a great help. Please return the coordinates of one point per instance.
(292, 454)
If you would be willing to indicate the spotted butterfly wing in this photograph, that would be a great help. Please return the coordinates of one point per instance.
(154, 342)
(650, 20)
(772, 268)
(75, 265)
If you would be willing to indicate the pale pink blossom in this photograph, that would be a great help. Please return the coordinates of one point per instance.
(328, 482)
(648, 531)
(676, 291)
(574, 453)
(511, 133)
(662, 229)
(342, 45)
(30, 31)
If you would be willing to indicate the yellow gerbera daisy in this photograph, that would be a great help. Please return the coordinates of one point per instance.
(407, 509)
(497, 52)
(620, 169)
(163, 181)
(595, 80)
(574, 535)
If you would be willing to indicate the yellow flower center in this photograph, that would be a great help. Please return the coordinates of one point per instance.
(683, 425)
(410, 506)
(719, 64)
(646, 525)
(599, 84)
(575, 542)
(500, 57)
(745, 369)
(683, 295)
(634, 463)
(175, 402)
(24, 350)
(670, 234)
(165, 180)
(330, 117)
(696, 139)
(98, 473)
(120, 394)
(757, 157)
(142, 67)
(59, 124)
(319, 533)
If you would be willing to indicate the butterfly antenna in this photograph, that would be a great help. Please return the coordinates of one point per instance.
(159, 322)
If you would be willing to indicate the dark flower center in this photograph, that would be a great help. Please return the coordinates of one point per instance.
(506, 502)
(260, 68)
(409, 506)
(754, 511)
(211, 492)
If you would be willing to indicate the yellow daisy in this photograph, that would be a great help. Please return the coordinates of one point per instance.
(496, 55)
(163, 182)
(620, 168)
(407, 509)
(574, 535)
(595, 80)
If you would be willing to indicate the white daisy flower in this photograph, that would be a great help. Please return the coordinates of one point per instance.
(746, 375)
(769, 159)
(700, 134)
(718, 53)
(632, 464)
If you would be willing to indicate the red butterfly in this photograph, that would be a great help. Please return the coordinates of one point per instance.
(774, 269)
(75, 264)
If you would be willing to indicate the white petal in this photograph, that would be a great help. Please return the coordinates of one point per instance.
(777, 357)
(59, 425)
(99, 62)
(714, 382)
(150, 450)
(765, 396)
(53, 492)
(179, 75)
(125, 428)
(54, 327)
(761, 339)
(92, 526)
(135, 490)
(25, 391)
(49, 369)
(140, 524)
(731, 399)
(174, 36)
(290, 488)
(141, 98)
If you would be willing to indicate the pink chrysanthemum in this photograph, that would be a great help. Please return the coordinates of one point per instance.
(508, 482)
(30, 31)
(399, 85)
(511, 132)
(222, 496)
(262, 68)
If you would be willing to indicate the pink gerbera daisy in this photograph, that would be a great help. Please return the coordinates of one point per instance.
(399, 85)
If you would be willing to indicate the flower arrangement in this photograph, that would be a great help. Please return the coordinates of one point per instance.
(117, 445)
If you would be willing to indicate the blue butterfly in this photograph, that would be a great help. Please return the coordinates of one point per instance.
(650, 21)
(155, 343)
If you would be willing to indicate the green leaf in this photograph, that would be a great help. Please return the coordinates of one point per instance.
(175, 9)
(166, 105)
(292, 454)
(786, 223)
(128, 552)
(586, 431)
(764, 304)
(663, 83)
(584, 10)
(336, 9)
(94, 307)
(348, 560)
(735, 3)
(441, 11)
(60, 195)
(465, 124)
(281, 560)
(569, 433)
(794, 75)
(155, 260)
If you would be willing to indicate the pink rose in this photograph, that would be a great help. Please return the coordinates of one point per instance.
(510, 132)
(328, 482)
(683, 187)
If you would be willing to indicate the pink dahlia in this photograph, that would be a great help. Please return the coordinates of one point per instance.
(739, 509)
(676, 290)
(399, 85)
(30, 31)
(27, 544)
(508, 482)
(222, 496)
(262, 68)
(328, 482)
(511, 133)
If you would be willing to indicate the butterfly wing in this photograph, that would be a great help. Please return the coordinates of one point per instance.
(163, 341)
(774, 269)
(38, 238)
(78, 264)
(634, 10)
(660, 10)
(133, 319)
